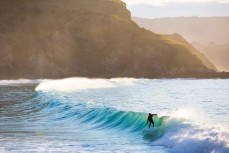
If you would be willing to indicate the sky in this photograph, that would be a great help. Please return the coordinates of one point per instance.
(177, 8)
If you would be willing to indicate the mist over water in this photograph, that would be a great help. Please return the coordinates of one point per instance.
(104, 115)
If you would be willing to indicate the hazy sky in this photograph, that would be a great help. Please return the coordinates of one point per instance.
(171, 8)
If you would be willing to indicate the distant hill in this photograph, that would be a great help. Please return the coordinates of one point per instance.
(210, 35)
(90, 38)
(180, 40)
(218, 54)
(204, 30)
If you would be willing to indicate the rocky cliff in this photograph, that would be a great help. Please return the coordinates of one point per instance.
(91, 38)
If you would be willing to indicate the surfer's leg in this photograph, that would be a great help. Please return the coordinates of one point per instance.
(149, 124)
(153, 123)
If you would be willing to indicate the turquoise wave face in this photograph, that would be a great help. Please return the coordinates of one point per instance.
(99, 118)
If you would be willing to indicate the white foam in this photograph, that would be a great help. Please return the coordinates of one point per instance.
(191, 137)
(123, 81)
(78, 84)
(187, 111)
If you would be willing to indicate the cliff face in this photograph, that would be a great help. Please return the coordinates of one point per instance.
(92, 38)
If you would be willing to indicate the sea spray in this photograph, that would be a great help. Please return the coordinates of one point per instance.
(191, 137)
(77, 84)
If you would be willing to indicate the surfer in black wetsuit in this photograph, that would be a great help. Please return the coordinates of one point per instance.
(150, 119)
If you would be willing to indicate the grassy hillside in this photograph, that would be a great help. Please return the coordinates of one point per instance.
(92, 38)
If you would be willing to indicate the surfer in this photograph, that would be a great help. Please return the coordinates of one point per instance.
(150, 119)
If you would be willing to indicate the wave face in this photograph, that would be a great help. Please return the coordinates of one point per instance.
(37, 118)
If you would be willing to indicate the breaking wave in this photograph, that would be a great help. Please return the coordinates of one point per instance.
(78, 84)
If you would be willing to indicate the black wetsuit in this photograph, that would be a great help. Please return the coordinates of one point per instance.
(150, 119)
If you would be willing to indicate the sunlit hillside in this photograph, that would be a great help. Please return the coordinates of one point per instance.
(93, 38)
(180, 40)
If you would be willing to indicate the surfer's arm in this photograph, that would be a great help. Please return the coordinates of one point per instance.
(154, 114)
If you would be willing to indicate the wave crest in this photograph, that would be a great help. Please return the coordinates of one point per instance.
(78, 84)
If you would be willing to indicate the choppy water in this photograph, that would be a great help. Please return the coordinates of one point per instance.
(100, 115)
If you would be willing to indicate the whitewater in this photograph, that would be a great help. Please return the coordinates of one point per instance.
(109, 115)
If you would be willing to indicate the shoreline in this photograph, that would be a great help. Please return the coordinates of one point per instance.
(207, 75)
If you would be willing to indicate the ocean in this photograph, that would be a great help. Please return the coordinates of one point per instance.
(109, 115)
